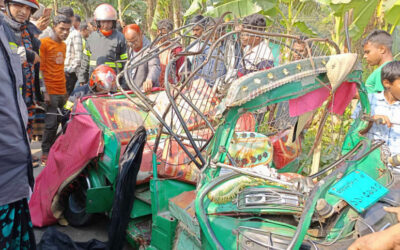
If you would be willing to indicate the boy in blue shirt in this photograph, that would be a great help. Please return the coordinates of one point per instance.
(385, 107)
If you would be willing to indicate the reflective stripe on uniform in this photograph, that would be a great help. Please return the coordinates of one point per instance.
(112, 65)
(124, 56)
(13, 47)
(87, 52)
(68, 105)
(83, 44)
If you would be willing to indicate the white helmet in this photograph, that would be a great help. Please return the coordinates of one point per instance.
(105, 12)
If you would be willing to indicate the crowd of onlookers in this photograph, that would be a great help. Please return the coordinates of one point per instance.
(71, 50)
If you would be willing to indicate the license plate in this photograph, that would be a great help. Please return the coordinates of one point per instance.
(359, 190)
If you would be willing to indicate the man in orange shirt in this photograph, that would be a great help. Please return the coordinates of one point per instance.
(52, 55)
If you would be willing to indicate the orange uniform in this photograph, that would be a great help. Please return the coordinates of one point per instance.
(52, 55)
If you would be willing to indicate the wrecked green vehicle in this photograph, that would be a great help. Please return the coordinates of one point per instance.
(243, 197)
(237, 130)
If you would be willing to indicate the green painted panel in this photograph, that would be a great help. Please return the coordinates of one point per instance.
(225, 228)
(185, 241)
(108, 164)
(163, 231)
(183, 217)
(164, 224)
(95, 179)
(163, 190)
(140, 209)
(99, 200)
(139, 231)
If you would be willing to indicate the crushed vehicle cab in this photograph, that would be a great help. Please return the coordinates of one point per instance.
(233, 160)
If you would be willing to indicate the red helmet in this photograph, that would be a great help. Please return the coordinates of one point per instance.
(105, 12)
(104, 78)
(31, 3)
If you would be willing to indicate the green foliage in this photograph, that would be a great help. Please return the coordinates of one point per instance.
(162, 12)
(334, 131)
(134, 12)
(290, 14)
(392, 10)
(396, 43)
(302, 26)
(240, 8)
(196, 7)
(267, 5)
(362, 13)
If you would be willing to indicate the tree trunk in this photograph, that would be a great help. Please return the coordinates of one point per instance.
(55, 3)
(151, 4)
(120, 12)
(85, 6)
(170, 8)
(177, 7)
(160, 12)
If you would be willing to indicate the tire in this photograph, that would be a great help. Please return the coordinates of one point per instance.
(75, 203)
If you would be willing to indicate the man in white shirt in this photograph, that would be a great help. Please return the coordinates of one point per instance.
(73, 56)
(257, 54)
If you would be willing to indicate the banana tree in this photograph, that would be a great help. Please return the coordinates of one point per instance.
(360, 11)
(363, 16)
(391, 10)
(130, 11)
(239, 8)
(167, 9)
(163, 10)
(289, 13)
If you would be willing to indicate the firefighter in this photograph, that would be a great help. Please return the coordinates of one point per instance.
(102, 81)
(21, 34)
(16, 174)
(104, 46)
(17, 23)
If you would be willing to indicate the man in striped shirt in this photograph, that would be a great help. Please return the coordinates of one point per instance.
(73, 56)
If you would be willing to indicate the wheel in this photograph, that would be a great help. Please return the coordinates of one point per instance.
(75, 202)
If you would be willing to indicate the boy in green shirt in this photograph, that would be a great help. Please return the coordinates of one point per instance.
(377, 52)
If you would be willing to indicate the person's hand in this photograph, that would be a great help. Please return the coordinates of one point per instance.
(374, 241)
(43, 22)
(147, 85)
(46, 98)
(388, 239)
(395, 210)
(382, 119)
(37, 58)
